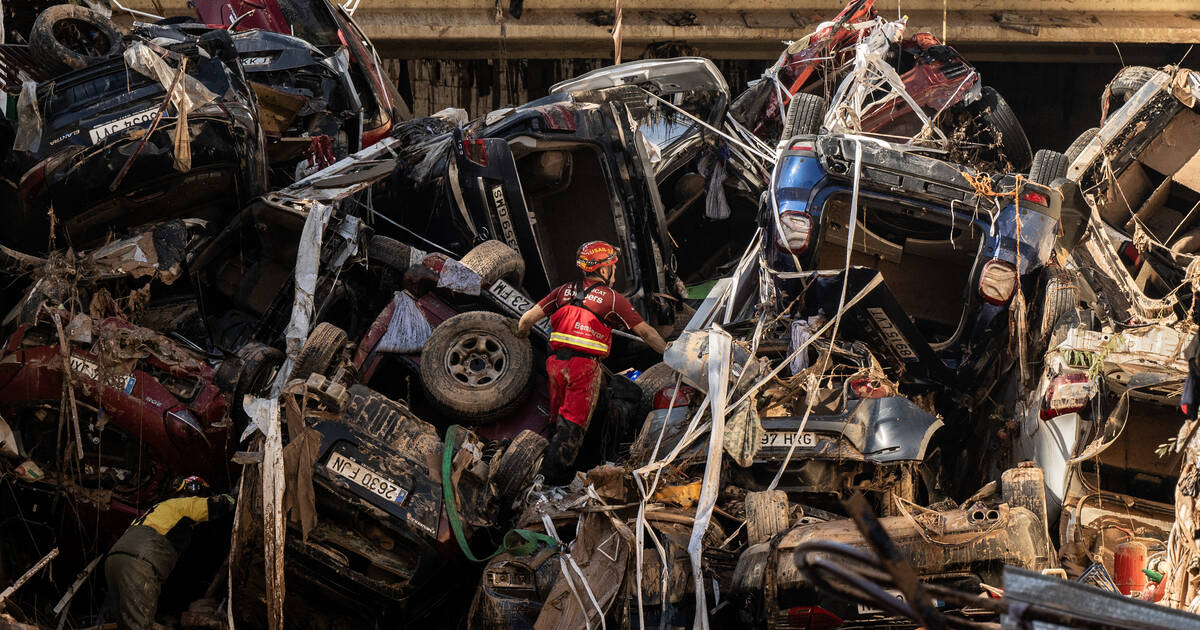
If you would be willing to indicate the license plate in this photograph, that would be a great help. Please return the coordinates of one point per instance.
(785, 439)
(512, 299)
(100, 132)
(91, 369)
(366, 478)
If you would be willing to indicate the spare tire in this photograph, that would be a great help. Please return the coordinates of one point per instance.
(805, 114)
(494, 260)
(474, 368)
(70, 37)
(1048, 166)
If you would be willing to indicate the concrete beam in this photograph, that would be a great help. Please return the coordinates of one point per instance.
(746, 29)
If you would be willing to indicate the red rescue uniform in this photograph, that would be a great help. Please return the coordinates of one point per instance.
(582, 318)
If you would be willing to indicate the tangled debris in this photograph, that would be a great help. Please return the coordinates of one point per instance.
(919, 376)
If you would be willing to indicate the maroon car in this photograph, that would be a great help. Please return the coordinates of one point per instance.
(149, 411)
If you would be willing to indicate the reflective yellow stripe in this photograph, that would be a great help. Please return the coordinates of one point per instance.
(582, 342)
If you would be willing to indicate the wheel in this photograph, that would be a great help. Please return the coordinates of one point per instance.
(517, 466)
(1003, 124)
(260, 364)
(390, 253)
(1129, 80)
(1048, 166)
(653, 378)
(1059, 302)
(493, 261)
(805, 114)
(474, 368)
(766, 515)
(70, 37)
(1080, 144)
(324, 347)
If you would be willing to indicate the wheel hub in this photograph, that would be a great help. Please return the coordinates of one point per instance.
(477, 360)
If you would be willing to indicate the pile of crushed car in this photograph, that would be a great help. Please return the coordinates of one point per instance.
(919, 375)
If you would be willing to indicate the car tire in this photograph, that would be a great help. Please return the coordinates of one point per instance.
(1129, 80)
(1059, 303)
(104, 41)
(1048, 166)
(389, 253)
(494, 260)
(805, 114)
(324, 346)
(766, 515)
(1000, 118)
(260, 364)
(652, 379)
(517, 466)
(1080, 144)
(475, 369)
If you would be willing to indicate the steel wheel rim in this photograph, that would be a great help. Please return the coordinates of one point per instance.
(476, 360)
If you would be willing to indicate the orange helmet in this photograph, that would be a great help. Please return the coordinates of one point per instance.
(594, 255)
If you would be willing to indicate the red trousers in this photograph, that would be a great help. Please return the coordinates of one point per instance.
(574, 388)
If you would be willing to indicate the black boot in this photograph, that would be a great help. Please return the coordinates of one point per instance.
(560, 455)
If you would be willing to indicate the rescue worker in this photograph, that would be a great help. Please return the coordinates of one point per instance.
(143, 557)
(582, 314)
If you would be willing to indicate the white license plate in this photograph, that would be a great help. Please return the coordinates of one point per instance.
(366, 478)
(785, 439)
(91, 369)
(515, 302)
(100, 132)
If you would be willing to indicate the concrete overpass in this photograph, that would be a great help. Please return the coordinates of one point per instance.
(1012, 30)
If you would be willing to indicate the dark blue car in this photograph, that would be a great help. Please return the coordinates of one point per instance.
(952, 245)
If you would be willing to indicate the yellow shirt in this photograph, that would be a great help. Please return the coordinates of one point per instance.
(163, 517)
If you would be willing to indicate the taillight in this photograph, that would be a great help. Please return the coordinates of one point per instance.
(802, 146)
(998, 282)
(796, 230)
(1067, 393)
(682, 396)
(810, 618)
(869, 388)
(1130, 253)
(476, 151)
(1036, 197)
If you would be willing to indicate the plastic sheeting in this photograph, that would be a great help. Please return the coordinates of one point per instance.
(29, 119)
(186, 93)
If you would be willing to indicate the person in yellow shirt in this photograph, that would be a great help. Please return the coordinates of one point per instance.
(142, 558)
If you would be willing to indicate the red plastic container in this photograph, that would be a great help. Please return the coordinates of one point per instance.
(1128, 562)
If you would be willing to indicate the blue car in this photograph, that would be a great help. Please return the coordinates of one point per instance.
(952, 247)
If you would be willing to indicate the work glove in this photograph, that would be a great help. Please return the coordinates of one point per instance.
(516, 328)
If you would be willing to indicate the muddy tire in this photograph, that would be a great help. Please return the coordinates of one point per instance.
(475, 369)
(517, 466)
(325, 345)
(494, 260)
(69, 37)
(1080, 144)
(805, 114)
(1059, 303)
(1048, 166)
(260, 364)
(766, 515)
(389, 253)
(653, 378)
(1001, 120)
(1129, 80)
